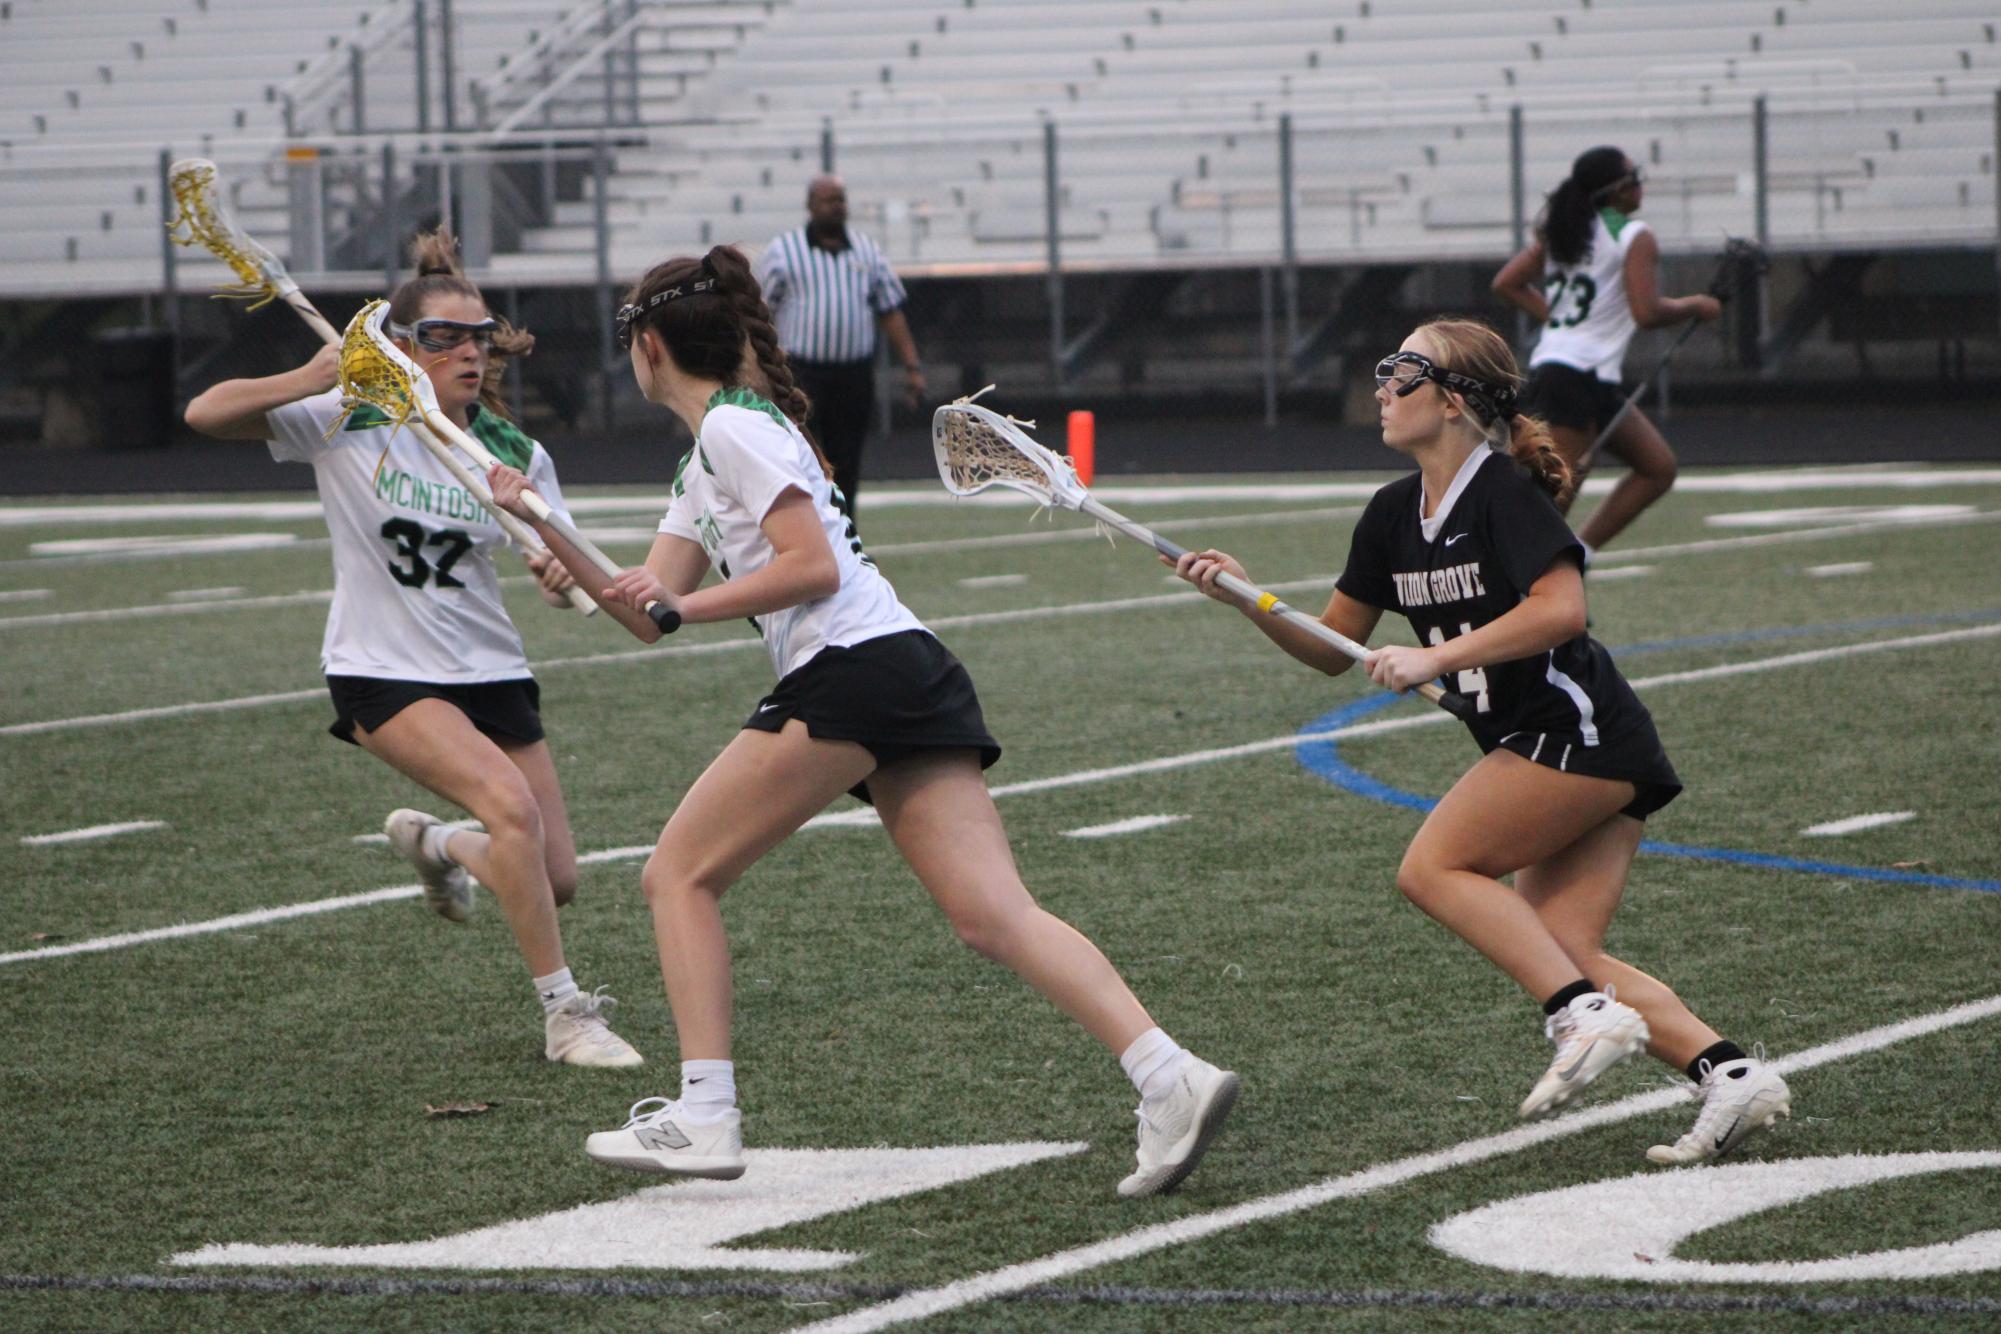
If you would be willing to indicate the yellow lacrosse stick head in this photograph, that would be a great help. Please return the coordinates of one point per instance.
(203, 220)
(371, 371)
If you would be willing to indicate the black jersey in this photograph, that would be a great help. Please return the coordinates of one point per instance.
(1498, 536)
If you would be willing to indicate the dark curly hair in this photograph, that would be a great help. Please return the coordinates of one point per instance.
(1565, 226)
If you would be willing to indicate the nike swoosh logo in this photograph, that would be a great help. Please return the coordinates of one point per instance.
(766, 708)
(1454, 538)
(1723, 1140)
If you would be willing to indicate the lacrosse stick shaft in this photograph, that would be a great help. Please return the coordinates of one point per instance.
(1457, 705)
(524, 536)
(661, 615)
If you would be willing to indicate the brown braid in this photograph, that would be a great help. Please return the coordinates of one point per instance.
(1475, 349)
(726, 335)
(439, 273)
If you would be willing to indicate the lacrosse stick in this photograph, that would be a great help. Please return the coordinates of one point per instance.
(204, 220)
(373, 370)
(978, 448)
(1737, 251)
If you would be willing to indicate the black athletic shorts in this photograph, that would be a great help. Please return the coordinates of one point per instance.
(1635, 756)
(504, 710)
(895, 695)
(1565, 396)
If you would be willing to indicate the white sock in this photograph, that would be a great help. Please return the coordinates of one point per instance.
(1152, 1062)
(433, 842)
(708, 1089)
(554, 989)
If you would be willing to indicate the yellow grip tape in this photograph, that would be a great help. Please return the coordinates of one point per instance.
(1266, 602)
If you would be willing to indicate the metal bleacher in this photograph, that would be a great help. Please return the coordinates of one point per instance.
(1167, 122)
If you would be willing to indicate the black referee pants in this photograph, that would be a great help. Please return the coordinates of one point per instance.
(843, 394)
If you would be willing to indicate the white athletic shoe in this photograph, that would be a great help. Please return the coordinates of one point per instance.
(578, 1034)
(658, 1137)
(447, 887)
(1592, 1034)
(1175, 1128)
(1738, 1097)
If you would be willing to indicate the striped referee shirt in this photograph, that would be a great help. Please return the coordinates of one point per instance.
(824, 301)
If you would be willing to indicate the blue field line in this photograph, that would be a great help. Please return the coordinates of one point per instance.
(1324, 758)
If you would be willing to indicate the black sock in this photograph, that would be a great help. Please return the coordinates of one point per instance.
(1714, 1056)
(1570, 993)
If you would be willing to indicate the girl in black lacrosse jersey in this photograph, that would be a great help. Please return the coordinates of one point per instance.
(1472, 551)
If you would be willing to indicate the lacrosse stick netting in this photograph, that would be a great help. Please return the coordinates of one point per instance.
(977, 448)
(204, 220)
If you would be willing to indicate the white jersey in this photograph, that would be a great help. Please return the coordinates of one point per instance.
(1590, 320)
(748, 455)
(415, 596)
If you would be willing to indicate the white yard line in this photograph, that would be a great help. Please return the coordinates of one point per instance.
(26, 594)
(1857, 823)
(1691, 482)
(155, 609)
(1836, 571)
(1134, 824)
(1143, 1241)
(91, 832)
(866, 816)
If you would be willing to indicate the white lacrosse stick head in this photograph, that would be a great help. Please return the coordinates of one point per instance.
(376, 372)
(204, 219)
(977, 448)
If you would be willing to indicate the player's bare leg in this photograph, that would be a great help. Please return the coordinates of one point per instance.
(1651, 464)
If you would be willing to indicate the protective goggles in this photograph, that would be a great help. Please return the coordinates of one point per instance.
(444, 335)
(1634, 178)
(629, 315)
(1402, 372)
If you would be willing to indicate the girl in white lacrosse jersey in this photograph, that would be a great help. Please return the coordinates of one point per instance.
(1472, 551)
(867, 701)
(1600, 267)
(426, 671)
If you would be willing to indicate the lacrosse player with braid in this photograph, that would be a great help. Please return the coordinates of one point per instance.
(1601, 268)
(1472, 551)
(868, 701)
(426, 671)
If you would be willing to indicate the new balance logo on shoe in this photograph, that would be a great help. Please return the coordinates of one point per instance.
(666, 1135)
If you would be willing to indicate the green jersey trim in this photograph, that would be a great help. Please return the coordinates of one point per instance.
(1615, 221)
(736, 396)
(502, 438)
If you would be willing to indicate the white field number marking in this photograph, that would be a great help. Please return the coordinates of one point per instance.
(26, 594)
(994, 581)
(1840, 569)
(1857, 823)
(684, 1225)
(1137, 824)
(1629, 1228)
(1622, 572)
(91, 832)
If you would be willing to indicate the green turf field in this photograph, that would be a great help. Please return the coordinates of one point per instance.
(265, 1080)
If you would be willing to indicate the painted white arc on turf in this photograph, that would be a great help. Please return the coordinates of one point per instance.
(971, 1291)
(685, 1225)
(1629, 1228)
(1855, 823)
(1136, 824)
(92, 832)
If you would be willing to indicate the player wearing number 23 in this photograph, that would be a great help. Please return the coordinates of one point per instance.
(1471, 550)
(426, 671)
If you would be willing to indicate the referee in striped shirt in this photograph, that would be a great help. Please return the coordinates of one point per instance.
(830, 289)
